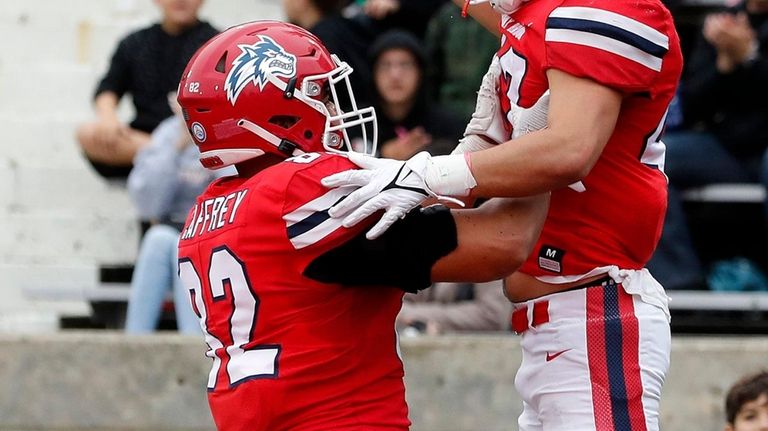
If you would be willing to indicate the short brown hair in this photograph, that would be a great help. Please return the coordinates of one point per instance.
(746, 389)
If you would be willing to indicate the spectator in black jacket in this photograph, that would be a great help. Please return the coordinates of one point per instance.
(724, 99)
(147, 64)
(407, 121)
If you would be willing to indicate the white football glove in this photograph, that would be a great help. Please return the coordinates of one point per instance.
(527, 120)
(488, 119)
(395, 186)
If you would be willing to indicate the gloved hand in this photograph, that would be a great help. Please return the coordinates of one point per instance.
(488, 119)
(531, 119)
(394, 186)
(487, 126)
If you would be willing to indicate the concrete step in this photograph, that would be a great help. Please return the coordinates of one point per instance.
(62, 191)
(47, 87)
(52, 142)
(51, 239)
(454, 383)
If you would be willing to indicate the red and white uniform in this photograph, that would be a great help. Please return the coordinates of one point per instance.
(289, 353)
(631, 47)
(595, 358)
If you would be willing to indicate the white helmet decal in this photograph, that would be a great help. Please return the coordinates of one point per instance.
(256, 63)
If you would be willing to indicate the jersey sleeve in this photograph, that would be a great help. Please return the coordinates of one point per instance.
(401, 257)
(117, 77)
(619, 44)
(307, 201)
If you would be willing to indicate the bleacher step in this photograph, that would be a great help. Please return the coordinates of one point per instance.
(727, 193)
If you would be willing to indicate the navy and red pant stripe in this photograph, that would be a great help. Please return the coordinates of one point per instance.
(613, 351)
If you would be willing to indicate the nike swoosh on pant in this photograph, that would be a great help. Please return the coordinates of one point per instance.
(551, 356)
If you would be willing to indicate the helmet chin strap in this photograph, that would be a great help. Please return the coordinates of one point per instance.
(283, 145)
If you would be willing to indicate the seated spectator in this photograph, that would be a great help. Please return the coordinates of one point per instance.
(454, 72)
(456, 307)
(407, 121)
(724, 97)
(345, 37)
(166, 179)
(746, 404)
(147, 64)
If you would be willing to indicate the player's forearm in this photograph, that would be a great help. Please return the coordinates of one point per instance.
(484, 14)
(581, 118)
(493, 240)
(536, 163)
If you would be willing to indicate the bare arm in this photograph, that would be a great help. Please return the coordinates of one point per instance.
(474, 245)
(493, 240)
(484, 14)
(582, 116)
(106, 106)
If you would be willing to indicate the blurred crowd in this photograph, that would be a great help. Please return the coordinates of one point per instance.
(419, 64)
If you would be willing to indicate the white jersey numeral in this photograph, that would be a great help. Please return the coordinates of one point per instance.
(653, 153)
(228, 281)
(303, 158)
(513, 66)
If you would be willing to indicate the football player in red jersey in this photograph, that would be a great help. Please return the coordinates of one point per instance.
(607, 70)
(298, 311)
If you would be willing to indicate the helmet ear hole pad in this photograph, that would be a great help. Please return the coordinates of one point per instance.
(221, 66)
(284, 121)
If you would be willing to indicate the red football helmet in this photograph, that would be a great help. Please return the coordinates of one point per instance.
(269, 87)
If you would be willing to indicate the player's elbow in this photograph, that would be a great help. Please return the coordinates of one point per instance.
(516, 226)
(576, 152)
(493, 240)
(496, 259)
(575, 162)
(520, 244)
(504, 255)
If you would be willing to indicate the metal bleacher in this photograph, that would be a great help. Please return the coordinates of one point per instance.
(108, 300)
(710, 212)
(748, 193)
(726, 220)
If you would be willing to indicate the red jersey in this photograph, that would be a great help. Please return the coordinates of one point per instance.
(289, 353)
(632, 47)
